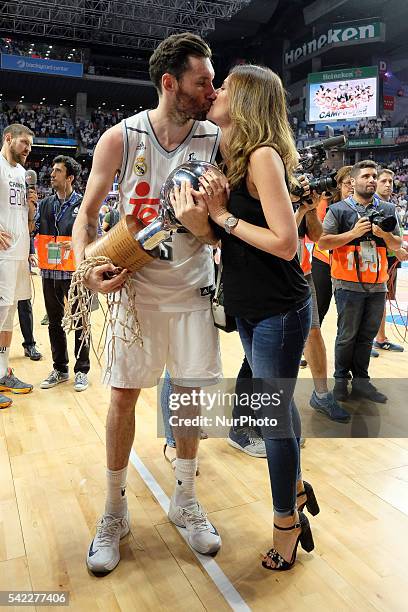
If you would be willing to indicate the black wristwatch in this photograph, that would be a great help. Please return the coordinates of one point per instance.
(230, 223)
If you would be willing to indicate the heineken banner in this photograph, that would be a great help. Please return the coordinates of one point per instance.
(341, 34)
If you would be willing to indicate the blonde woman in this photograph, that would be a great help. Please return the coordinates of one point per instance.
(264, 287)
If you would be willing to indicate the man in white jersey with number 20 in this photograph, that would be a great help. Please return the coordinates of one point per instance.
(173, 291)
(16, 215)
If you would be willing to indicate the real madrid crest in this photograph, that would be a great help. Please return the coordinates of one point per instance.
(139, 166)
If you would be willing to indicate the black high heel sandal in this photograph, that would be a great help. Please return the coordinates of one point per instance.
(306, 541)
(311, 501)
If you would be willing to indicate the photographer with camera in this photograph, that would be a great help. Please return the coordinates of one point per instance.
(309, 224)
(321, 258)
(359, 230)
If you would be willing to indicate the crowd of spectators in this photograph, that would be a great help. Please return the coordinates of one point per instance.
(44, 121)
(89, 131)
(48, 121)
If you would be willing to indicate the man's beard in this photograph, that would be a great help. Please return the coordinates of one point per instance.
(186, 108)
(18, 158)
(367, 192)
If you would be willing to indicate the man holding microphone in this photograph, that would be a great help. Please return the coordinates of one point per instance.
(17, 211)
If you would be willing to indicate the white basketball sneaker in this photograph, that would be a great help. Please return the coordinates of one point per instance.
(201, 534)
(103, 554)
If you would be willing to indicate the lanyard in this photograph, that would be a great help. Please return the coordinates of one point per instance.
(63, 206)
(350, 201)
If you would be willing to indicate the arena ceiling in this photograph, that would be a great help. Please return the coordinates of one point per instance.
(234, 28)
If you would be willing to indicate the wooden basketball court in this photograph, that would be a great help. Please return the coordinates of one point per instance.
(52, 482)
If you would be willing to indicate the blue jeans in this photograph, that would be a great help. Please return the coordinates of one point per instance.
(166, 391)
(359, 316)
(243, 386)
(274, 347)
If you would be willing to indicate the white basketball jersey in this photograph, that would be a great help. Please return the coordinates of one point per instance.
(14, 210)
(182, 278)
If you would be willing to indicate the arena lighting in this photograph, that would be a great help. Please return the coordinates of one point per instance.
(122, 23)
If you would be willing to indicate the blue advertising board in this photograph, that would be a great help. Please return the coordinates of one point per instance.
(62, 142)
(24, 63)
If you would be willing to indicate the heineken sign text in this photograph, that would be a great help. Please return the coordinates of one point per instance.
(345, 34)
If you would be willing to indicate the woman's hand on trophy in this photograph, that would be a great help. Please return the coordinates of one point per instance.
(214, 191)
(189, 211)
(105, 279)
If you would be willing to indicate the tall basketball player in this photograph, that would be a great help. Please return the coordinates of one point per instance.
(16, 213)
(172, 292)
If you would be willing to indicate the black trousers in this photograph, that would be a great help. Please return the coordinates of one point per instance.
(323, 286)
(25, 316)
(54, 293)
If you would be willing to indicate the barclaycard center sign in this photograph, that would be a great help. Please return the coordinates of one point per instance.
(339, 35)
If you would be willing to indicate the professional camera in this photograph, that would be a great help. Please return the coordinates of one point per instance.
(311, 159)
(320, 184)
(385, 222)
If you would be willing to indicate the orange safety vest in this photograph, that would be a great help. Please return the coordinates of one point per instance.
(343, 265)
(305, 262)
(53, 256)
(322, 254)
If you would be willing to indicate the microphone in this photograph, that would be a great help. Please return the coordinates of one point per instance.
(31, 179)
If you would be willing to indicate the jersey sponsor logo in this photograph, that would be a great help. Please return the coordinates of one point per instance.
(75, 211)
(140, 167)
(192, 156)
(144, 208)
(140, 146)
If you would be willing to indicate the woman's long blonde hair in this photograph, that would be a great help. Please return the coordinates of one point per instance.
(257, 108)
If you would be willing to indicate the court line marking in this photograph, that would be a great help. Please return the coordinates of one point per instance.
(221, 581)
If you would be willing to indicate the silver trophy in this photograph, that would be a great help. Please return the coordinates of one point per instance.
(129, 244)
(166, 222)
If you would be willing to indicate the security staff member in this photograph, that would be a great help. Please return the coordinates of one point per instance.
(359, 276)
(55, 219)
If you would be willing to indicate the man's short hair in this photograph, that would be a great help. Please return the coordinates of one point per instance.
(365, 163)
(385, 171)
(72, 166)
(172, 56)
(16, 129)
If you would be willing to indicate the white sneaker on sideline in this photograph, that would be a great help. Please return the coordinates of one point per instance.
(201, 534)
(103, 554)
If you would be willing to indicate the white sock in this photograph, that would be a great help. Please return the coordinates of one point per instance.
(185, 494)
(116, 500)
(322, 395)
(4, 360)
